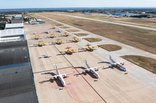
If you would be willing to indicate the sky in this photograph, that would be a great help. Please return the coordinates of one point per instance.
(5, 4)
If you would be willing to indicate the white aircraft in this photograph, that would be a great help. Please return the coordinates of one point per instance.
(59, 76)
(116, 64)
(45, 56)
(91, 70)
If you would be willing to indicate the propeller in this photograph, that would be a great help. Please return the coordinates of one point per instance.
(96, 69)
(46, 56)
(122, 63)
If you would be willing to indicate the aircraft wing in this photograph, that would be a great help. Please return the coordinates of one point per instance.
(111, 59)
(87, 64)
(54, 77)
(66, 75)
(97, 68)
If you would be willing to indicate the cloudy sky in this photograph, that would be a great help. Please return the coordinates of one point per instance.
(75, 3)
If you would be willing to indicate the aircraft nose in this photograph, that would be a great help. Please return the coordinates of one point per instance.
(97, 76)
(64, 84)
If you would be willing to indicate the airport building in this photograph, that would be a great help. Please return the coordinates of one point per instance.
(17, 19)
(8, 35)
(14, 26)
(16, 77)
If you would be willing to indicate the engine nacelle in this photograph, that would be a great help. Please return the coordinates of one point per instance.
(122, 63)
(64, 76)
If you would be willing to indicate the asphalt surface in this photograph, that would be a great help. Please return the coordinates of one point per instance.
(113, 86)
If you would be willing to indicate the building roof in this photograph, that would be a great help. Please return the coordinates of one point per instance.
(20, 16)
(12, 32)
(17, 19)
(9, 39)
(14, 25)
(13, 53)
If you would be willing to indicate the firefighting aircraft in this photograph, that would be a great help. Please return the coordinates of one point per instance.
(92, 70)
(114, 64)
(59, 76)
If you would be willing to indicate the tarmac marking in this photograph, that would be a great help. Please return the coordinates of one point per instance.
(84, 78)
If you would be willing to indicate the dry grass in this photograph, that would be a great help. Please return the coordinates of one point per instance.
(147, 22)
(141, 21)
(72, 30)
(64, 27)
(145, 62)
(93, 39)
(143, 39)
(81, 34)
(110, 47)
(57, 24)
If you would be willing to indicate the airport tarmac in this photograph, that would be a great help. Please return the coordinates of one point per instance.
(113, 86)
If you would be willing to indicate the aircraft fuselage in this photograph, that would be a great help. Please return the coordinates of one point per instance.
(92, 70)
(60, 77)
(118, 66)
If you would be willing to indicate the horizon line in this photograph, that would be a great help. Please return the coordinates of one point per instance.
(71, 7)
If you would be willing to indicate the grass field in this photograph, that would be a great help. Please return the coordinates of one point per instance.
(72, 30)
(110, 47)
(93, 39)
(64, 27)
(145, 62)
(143, 39)
(81, 34)
(58, 24)
(147, 22)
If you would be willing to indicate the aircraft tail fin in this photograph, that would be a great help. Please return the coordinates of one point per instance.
(57, 72)
(87, 64)
(110, 57)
